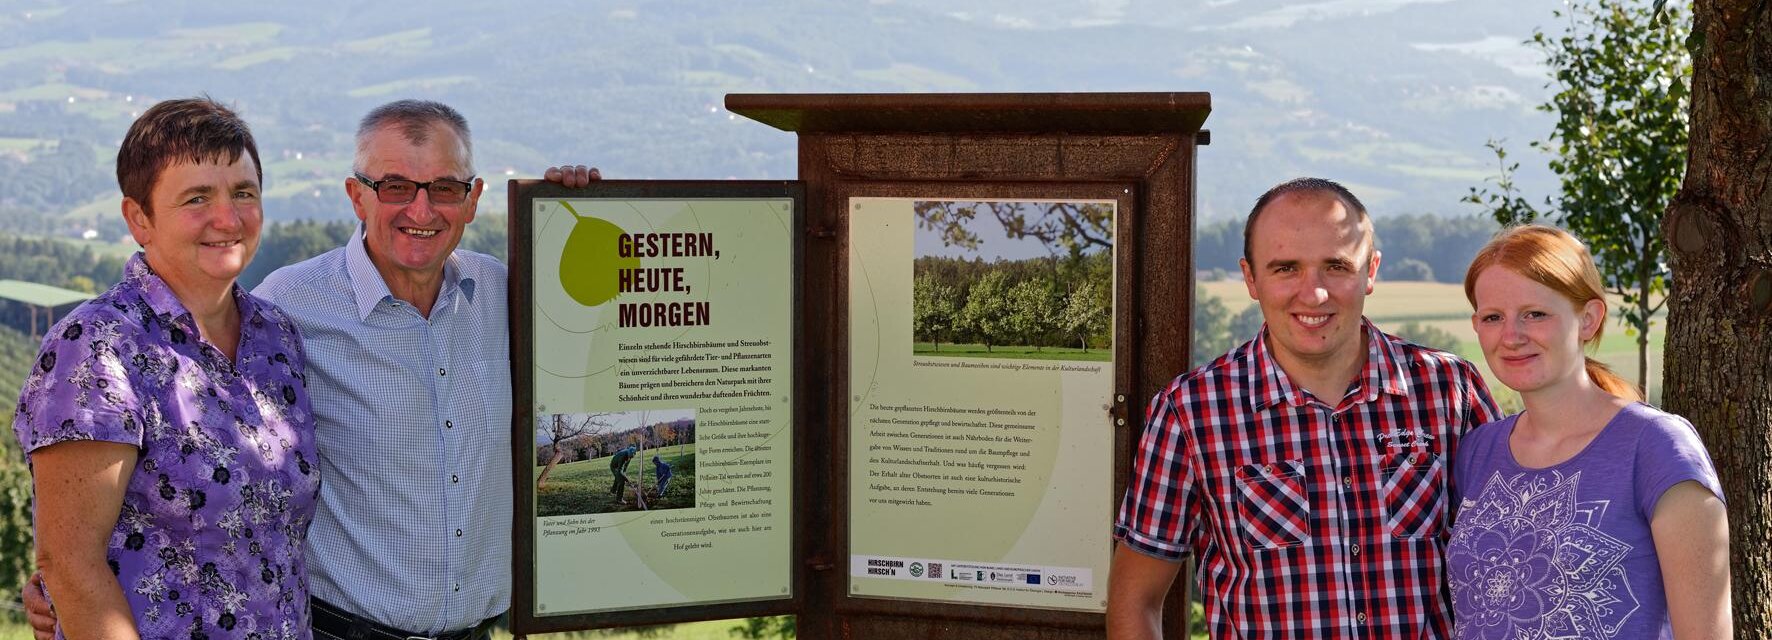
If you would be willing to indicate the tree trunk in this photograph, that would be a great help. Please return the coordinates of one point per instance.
(640, 487)
(1719, 337)
(1644, 277)
(1643, 364)
(552, 460)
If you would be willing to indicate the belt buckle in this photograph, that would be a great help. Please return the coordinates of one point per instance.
(420, 638)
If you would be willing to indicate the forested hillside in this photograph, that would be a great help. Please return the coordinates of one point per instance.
(1421, 247)
(16, 558)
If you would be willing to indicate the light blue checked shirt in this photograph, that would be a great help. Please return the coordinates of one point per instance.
(413, 528)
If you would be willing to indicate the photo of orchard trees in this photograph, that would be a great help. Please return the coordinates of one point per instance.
(1021, 279)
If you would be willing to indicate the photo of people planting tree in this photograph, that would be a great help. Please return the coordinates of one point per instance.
(605, 462)
(1022, 279)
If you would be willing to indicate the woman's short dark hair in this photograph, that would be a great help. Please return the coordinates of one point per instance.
(190, 130)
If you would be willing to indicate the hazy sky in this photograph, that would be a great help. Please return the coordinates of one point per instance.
(622, 421)
(994, 243)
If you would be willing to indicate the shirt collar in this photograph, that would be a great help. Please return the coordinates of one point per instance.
(1384, 365)
(164, 302)
(370, 289)
(1270, 386)
(154, 291)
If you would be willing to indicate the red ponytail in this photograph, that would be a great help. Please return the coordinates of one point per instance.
(1610, 382)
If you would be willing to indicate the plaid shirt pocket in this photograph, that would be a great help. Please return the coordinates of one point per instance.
(1411, 488)
(1274, 504)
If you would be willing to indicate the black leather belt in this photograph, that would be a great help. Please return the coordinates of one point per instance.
(335, 621)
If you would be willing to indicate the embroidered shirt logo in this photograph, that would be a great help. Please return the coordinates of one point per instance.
(1405, 438)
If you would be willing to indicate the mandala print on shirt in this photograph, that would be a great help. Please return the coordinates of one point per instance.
(1529, 560)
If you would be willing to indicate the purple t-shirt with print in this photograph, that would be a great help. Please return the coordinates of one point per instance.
(209, 540)
(1566, 551)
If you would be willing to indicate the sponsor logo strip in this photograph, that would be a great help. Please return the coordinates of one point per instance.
(960, 572)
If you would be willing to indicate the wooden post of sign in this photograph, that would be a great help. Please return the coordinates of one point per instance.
(1135, 149)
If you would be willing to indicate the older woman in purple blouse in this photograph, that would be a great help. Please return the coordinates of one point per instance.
(166, 421)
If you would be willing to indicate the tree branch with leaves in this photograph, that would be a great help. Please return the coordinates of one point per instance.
(1620, 70)
(1066, 228)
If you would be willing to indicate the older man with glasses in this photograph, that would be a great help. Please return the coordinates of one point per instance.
(409, 374)
(411, 362)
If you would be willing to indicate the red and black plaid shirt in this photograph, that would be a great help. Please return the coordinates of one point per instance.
(1307, 519)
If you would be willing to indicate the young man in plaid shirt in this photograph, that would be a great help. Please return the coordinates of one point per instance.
(1306, 471)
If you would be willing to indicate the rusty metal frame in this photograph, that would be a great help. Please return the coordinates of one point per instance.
(1136, 149)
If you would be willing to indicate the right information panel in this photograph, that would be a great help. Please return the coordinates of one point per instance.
(981, 384)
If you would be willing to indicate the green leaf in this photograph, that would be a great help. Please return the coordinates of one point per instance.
(1619, 83)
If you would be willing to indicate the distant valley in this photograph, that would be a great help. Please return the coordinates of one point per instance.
(1393, 97)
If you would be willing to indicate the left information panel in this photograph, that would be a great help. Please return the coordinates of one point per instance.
(662, 366)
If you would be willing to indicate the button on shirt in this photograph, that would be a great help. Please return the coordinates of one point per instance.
(413, 529)
(209, 538)
(1309, 519)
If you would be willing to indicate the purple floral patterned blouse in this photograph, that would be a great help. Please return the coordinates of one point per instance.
(209, 540)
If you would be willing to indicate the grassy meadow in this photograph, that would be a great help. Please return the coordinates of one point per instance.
(15, 629)
(583, 487)
(1442, 306)
(709, 630)
(1018, 352)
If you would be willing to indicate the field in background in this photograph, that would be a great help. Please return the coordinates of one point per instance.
(1442, 306)
(710, 630)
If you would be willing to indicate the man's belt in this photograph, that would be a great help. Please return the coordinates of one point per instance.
(338, 622)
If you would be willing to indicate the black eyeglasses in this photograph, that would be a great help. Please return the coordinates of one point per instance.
(402, 191)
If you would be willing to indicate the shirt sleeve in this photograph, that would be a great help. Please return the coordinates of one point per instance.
(1669, 452)
(1460, 475)
(1479, 409)
(1465, 465)
(272, 288)
(1159, 513)
(78, 389)
(1479, 406)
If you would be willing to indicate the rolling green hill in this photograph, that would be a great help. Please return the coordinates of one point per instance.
(1395, 97)
(16, 557)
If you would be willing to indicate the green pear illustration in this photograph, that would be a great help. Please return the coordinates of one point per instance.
(589, 263)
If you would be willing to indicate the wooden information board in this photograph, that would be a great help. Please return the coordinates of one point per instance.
(963, 304)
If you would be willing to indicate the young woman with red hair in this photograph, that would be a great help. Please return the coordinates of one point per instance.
(1590, 514)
